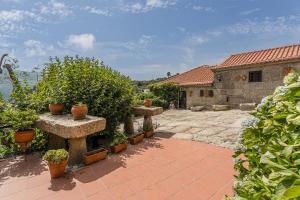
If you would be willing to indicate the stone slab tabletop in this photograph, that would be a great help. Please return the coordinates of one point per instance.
(64, 125)
(149, 111)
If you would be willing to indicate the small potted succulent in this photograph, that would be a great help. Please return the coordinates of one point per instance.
(94, 156)
(119, 142)
(21, 121)
(137, 138)
(56, 106)
(79, 111)
(57, 161)
(148, 102)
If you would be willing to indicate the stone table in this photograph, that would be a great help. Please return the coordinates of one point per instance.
(147, 112)
(63, 126)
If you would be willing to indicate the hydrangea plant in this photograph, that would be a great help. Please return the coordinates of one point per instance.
(268, 157)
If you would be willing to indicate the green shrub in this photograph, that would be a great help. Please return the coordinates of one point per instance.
(145, 95)
(160, 103)
(18, 119)
(119, 138)
(56, 156)
(75, 79)
(271, 145)
(168, 92)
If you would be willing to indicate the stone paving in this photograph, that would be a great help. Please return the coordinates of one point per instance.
(156, 169)
(220, 128)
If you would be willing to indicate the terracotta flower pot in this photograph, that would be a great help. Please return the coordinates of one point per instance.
(148, 134)
(79, 111)
(57, 170)
(94, 156)
(136, 138)
(119, 147)
(25, 136)
(56, 108)
(148, 102)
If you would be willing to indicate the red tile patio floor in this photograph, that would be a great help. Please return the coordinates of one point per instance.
(158, 168)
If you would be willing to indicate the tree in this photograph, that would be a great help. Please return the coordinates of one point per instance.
(168, 74)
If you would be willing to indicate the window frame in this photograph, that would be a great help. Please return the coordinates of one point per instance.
(255, 76)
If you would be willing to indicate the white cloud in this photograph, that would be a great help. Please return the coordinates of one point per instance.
(36, 48)
(278, 25)
(56, 8)
(248, 12)
(15, 15)
(83, 41)
(204, 8)
(196, 40)
(97, 11)
(147, 6)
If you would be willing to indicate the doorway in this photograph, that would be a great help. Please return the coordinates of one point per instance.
(182, 100)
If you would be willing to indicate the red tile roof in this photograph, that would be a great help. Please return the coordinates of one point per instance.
(202, 75)
(262, 56)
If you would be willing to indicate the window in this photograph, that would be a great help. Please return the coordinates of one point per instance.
(210, 93)
(255, 76)
(201, 93)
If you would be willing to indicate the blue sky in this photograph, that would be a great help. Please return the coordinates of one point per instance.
(145, 39)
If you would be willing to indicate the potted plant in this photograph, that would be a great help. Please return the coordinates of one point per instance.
(21, 121)
(56, 99)
(94, 156)
(57, 161)
(147, 102)
(149, 129)
(135, 139)
(79, 111)
(119, 142)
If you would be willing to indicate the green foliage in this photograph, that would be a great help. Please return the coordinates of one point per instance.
(75, 79)
(165, 91)
(39, 142)
(56, 156)
(160, 102)
(119, 138)
(18, 119)
(271, 146)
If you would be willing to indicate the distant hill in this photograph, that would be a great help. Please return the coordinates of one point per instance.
(6, 85)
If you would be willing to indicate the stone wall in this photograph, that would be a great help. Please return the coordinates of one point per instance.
(235, 88)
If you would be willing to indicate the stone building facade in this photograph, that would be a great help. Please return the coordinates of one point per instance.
(241, 78)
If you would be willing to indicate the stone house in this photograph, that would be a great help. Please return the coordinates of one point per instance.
(241, 78)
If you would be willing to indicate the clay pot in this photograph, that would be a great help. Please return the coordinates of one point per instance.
(25, 136)
(119, 147)
(56, 108)
(57, 170)
(79, 111)
(148, 102)
(148, 134)
(94, 156)
(136, 138)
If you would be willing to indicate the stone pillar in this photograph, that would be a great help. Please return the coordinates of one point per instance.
(77, 147)
(128, 124)
(55, 142)
(147, 122)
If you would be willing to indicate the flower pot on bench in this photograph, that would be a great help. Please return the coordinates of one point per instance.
(119, 147)
(94, 156)
(136, 138)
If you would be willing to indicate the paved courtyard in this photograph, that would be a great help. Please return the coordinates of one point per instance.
(159, 168)
(220, 128)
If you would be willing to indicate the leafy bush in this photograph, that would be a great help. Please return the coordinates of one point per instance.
(160, 103)
(56, 156)
(18, 119)
(271, 145)
(119, 138)
(168, 92)
(75, 79)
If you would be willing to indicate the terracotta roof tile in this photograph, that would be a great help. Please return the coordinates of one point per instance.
(262, 56)
(202, 75)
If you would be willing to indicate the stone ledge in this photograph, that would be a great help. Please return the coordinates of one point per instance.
(64, 125)
(247, 106)
(220, 107)
(149, 111)
(197, 108)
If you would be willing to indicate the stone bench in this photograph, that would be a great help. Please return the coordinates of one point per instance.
(247, 106)
(220, 107)
(197, 108)
(60, 127)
